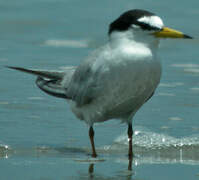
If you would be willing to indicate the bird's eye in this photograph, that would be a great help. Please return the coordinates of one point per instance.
(148, 27)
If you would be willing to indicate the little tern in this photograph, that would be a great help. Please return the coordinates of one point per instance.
(116, 79)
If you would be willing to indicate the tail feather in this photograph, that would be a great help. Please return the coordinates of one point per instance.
(51, 82)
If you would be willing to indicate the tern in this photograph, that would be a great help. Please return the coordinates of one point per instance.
(117, 78)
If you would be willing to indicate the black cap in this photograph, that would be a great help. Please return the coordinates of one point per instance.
(128, 18)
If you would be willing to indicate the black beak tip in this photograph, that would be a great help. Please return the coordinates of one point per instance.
(187, 37)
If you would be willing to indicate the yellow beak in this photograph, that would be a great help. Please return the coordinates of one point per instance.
(170, 33)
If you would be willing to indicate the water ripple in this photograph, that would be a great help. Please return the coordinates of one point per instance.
(149, 148)
(66, 43)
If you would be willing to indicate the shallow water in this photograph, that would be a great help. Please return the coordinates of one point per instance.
(40, 138)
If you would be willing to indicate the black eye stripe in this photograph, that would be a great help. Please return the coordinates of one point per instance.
(146, 26)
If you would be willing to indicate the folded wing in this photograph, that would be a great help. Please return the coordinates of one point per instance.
(52, 82)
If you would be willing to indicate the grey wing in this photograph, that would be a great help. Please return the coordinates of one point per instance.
(82, 87)
(52, 82)
(85, 85)
(87, 82)
(56, 86)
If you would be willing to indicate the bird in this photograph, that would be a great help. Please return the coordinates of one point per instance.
(116, 79)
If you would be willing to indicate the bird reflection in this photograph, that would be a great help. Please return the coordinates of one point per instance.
(128, 176)
(91, 170)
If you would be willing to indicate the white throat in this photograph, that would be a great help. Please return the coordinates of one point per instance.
(135, 41)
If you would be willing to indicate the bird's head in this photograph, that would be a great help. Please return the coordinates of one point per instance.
(141, 25)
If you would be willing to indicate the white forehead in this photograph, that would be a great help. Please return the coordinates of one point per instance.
(153, 21)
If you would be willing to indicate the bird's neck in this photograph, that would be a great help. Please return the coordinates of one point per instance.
(136, 41)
